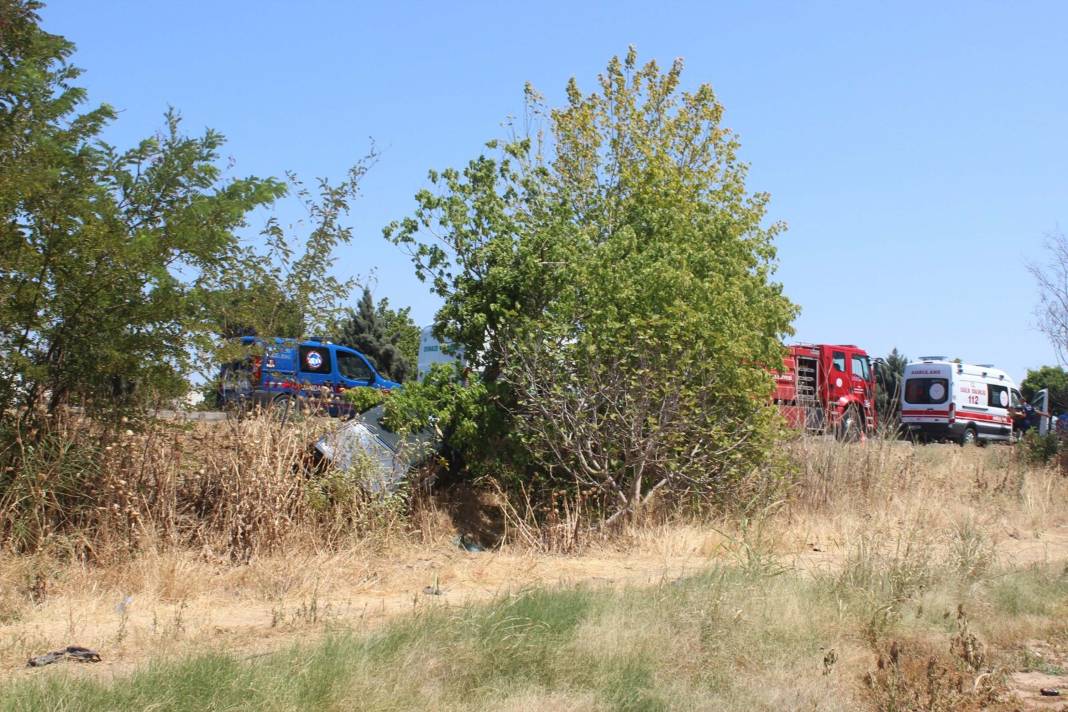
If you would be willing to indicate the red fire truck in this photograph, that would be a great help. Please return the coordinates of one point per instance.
(827, 388)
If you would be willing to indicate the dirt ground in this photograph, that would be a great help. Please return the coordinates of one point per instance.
(184, 604)
(1033, 689)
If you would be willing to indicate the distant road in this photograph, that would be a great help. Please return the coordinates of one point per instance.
(204, 416)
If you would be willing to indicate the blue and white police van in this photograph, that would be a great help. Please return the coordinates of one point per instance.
(281, 371)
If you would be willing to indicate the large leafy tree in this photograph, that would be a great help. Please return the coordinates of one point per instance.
(1055, 378)
(611, 276)
(388, 337)
(108, 257)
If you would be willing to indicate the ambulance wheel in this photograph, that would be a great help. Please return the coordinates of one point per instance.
(849, 426)
(970, 437)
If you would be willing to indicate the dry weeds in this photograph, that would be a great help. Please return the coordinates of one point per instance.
(899, 530)
(232, 490)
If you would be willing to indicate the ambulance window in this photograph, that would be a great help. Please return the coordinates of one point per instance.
(997, 396)
(860, 367)
(926, 390)
(838, 360)
(1016, 398)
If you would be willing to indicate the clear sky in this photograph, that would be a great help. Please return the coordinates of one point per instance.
(918, 151)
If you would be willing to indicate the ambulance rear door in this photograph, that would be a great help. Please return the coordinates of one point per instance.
(926, 395)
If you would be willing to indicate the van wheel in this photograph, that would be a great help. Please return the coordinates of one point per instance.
(849, 426)
(970, 437)
(286, 408)
(236, 408)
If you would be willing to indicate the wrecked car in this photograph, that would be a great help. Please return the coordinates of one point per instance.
(382, 457)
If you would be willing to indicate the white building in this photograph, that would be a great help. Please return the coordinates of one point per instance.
(432, 351)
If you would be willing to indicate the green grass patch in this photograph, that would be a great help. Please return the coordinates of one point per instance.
(727, 639)
(1038, 591)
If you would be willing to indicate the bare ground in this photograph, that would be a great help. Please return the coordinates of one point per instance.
(184, 604)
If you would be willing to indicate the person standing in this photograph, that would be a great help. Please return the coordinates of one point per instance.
(1030, 416)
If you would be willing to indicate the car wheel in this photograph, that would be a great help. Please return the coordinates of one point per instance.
(286, 408)
(970, 437)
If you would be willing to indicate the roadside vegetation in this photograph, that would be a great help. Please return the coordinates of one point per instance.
(560, 253)
(892, 578)
(887, 576)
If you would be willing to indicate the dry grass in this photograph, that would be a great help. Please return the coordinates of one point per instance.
(235, 490)
(962, 501)
(730, 638)
(875, 544)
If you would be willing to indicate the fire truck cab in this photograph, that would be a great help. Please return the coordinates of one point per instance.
(827, 388)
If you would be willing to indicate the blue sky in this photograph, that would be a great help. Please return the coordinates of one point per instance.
(918, 151)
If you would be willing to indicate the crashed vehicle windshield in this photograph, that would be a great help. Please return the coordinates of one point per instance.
(384, 456)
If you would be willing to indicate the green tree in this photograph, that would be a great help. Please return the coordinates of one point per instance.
(269, 290)
(402, 330)
(1055, 378)
(383, 335)
(104, 251)
(256, 307)
(119, 269)
(611, 278)
(890, 377)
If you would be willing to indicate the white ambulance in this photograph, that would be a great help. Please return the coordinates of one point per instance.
(967, 403)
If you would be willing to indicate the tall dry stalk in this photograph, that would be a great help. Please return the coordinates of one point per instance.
(238, 489)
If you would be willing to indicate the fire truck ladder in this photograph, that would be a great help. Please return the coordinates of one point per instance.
(807, 394)
(869, 419)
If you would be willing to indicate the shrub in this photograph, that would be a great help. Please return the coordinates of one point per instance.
(613, 286)
(462, 411)
(363, 399)
(1039, 449)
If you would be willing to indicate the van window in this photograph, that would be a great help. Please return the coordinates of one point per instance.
(352, 366)
(860, 366)
(838, 360)
(1016, 398)
(926, 390)
(315, 359)
(998, 396)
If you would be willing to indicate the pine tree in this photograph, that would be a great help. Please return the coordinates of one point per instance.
(890, 375)
(381, 335)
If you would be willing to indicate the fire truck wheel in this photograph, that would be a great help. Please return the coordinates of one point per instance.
(969, 437)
